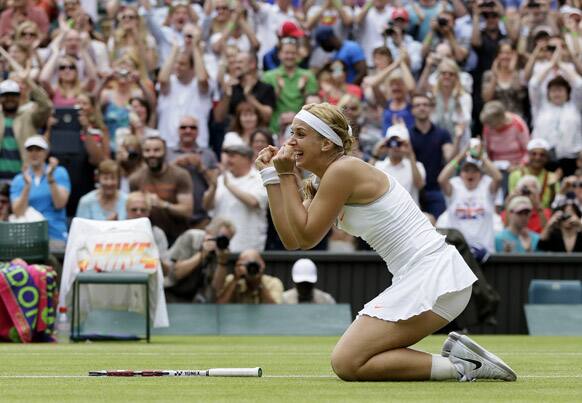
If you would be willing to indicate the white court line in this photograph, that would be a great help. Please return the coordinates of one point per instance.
(252, 353)
(264, 376)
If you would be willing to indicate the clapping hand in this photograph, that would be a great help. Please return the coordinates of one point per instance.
(52, 165)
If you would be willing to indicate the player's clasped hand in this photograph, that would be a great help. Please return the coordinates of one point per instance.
(265, 157)
(284, 161)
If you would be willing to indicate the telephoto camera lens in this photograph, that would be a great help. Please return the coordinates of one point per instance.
(252, 268)
(222, 242)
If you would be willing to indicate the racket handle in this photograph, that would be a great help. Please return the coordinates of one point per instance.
(245, 372)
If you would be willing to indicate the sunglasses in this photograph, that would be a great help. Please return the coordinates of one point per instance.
(490, 15)
(67, 67)
(138, 210)
(523, 212)
(288, 41)
(129, 17)
(221, 8)
(184, 127)
(537, 154)
(577, 184)
(29, 34)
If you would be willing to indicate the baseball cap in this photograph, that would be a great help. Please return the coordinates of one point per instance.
(304, 270)
(400, 13)
(468, 161)
(399, 131)
(569, 10)
(234, 144)
(290, 29)
(36, 141)
(542, 29)
(538, 143)
(9, 87)
(519, 203)
(323, 33)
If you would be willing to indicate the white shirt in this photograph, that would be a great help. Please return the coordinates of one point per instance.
(402, 172)
(268, 20)
(250, 223)
(561, 127)
(471, 212)
(184, 100)
(370, 30)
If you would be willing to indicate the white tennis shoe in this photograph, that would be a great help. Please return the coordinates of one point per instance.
(473, 361)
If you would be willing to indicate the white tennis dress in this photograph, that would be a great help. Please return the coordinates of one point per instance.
(423, 266)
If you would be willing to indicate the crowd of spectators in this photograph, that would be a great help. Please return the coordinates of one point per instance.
(121, 109)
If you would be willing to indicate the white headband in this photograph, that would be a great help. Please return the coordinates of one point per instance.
(321, 127)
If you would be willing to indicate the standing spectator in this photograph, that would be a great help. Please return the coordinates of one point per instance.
(249, 284)
(168, 188)
(198, 161)
(504, 83)
(538, 151)
(18, 121)
(433, 148)
(269, 18)
(237, 32)
(331, 13)
(106, 202)
(563, 231)
(246, 120)
(401, 162)
(422, 15)
(142, 119)
(185, 92)
(505, 135)
(559, 121)
(292, 84)
(349, 52)
(453, 105)
(397, 108)
(304, 274)
(368, 20)
(68, 86)
(470, 200)
(443, 31)
(400, 42)
(288, 29)
(18, 11)
(131, 33)
(333, 85)
(529, 187)
(44, 187)
(517, 237)
(238, 195)
(246, 87)
(260, 139)
(169, 35)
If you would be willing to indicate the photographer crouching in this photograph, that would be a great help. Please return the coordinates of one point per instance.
(193, 261)
(248, 284)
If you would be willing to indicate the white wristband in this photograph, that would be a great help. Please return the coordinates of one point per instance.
(269, 176)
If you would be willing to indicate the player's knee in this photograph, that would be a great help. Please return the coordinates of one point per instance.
(344, 366)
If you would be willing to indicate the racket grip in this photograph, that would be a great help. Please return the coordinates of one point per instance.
(245, 372)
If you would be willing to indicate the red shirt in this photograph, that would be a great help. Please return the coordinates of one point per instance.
(534, 223)
(509, 142)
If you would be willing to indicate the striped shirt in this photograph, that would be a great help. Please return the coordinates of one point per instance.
(10, 163)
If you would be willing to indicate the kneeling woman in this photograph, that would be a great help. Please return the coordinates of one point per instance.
(431, 283)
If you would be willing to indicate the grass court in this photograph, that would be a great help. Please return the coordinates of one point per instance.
(295, 369)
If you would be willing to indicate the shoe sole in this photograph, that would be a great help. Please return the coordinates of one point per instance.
(455, 337)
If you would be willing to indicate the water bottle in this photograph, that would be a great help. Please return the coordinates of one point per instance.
(63, 326)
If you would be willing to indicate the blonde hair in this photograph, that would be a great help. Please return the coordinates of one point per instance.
(217, 223)
(109, 167)
(337, 121)
(448, 63)
(138, 195)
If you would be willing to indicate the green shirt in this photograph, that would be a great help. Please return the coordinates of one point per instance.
(289, 98)
(10, 163)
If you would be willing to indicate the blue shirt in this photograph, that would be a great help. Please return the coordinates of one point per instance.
(429, 150)
(506, 241)
(404, 114)
(90, 208)
(40, 199)
(350, 53)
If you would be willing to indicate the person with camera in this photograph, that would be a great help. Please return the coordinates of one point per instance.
(193, 261)
(248, 284)
(197, 161)
(517, 237)
(399, 41)
(442, 30)
(401, 162)
(562, 233)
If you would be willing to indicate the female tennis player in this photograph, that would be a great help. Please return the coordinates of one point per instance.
(431, 283)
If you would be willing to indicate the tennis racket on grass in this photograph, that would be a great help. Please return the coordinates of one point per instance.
(239, 372)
